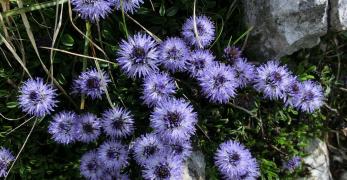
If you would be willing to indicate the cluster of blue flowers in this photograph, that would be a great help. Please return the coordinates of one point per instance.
(5, 159)
(93, 10)
(163, 152)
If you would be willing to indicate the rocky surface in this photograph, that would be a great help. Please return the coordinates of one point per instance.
(317, 161)
(281, 27)
(195, 167)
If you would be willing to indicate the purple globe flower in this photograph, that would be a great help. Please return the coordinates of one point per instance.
(87, 128)
(91, 83)
(205, 31)
(234, 161)
(164, 167)
(292, 91)
(138, 55)
(117, 122)
(173, 119)
(90, 166)
(5, 159)
(146, 148)
(173, 54)
(114, 174)
(182, 148)
(272, 79)
(62, 127)
(129, 6)
(93, 10)
(199, 60)
(157, 87)
(231, 53)
(113, 155)
(292, 164)
(311, 97)
(37, 98)
(218, 83)
(244, 72)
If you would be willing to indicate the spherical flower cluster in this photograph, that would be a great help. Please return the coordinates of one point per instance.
(310, 97)
(93, 10)
(87, 128)
(62, 127)
(92, 83)
(234, 161)
(244, 72)
(128, 6)
(113, 155)
(218, 83)
(173, 54)
(146, 148)
(198, 61)
(157, 87)
(117, 122)
(6, 158)
(292, 164)
(138, 55)
(232, 53)
(204, 33)
(272, 79)
(37, 98)
(166, 166)
(174, 119)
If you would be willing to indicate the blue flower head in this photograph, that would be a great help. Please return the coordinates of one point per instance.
(165, 166)
(93, 10)
(231, 53)
(6, 158)
(129, 6)
(293, 89)
(90, 166)
(87, 128)
(234, 161)
(173, 54)
(198, 61)
(180, 148)
(311, 97)
(146, 148)
(117, 122)
(91, 83)
(173, 119)
(218, 83)
(113, 155)
(205, 31)
(244, 72)
(292, 164)
(272, 80)
(37, 98)
(157, 87)
(62, 127)
(138, 55)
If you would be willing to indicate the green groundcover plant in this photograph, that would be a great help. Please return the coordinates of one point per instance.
(130, 89)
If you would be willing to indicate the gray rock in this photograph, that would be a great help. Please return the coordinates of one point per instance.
(282, 27)
(195, 167)
(339, 14)
(317, 161)
(343, 176)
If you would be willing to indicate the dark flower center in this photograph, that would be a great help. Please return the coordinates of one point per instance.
(244, 176)
(174, 53)
(219, 80)
(199, 63)
(118, 123)
(93, 83)
(88, 128)
(200, 27)
(138, 55)
(295, 88)
(178, 149)
(276, 77)
(112, 154)
(3, 165)
(159, 88)
(92, 165)
(149, 150)
(65, 126)
(162, 171)
(308, 96)
(234, 52)
(35, 96)
(234, 158)
(173, 119)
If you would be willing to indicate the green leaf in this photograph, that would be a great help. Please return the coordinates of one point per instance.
(67, 40)
(12, 105)
(162, 10)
